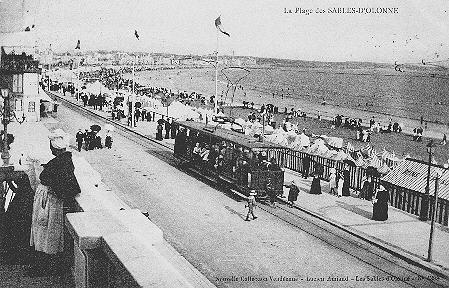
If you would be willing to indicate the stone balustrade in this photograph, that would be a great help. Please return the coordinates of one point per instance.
(112, 245)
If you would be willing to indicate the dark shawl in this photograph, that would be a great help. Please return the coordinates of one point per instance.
(59, 175)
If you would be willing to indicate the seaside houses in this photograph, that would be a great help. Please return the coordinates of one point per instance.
(20, 73)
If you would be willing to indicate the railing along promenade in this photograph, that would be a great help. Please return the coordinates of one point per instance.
(402, 198)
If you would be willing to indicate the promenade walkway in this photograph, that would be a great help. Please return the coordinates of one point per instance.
(403, 234)
(31, 138)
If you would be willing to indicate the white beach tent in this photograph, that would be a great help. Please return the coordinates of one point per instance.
(180, 111)
(97, 88)
(268, 130)
(240, 121)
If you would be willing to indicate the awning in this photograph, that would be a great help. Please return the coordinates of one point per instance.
(45, 97)
(412, 174)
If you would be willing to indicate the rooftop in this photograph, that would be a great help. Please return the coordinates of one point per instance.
(18, 60)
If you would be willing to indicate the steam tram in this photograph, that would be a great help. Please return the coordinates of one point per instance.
(236, 160)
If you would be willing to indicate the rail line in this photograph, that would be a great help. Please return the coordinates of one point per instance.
(372, 255)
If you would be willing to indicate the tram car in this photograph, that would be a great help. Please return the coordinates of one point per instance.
(239, 161)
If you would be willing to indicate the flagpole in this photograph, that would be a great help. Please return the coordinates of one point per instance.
(78, 79)
(133, 96)
(216, 79)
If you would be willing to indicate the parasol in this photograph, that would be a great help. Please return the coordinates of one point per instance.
(372, 171)
(349, 162)
(95, 127)
(236, 127)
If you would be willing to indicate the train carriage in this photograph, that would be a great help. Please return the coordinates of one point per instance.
(228, 156)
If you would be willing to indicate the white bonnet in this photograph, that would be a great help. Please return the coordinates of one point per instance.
(59, 139)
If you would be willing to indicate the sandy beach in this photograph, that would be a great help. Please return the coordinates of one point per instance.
(203, 81)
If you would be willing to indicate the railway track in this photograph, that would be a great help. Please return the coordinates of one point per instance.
(398, 270)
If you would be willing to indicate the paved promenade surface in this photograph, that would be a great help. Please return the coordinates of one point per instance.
(403, 233)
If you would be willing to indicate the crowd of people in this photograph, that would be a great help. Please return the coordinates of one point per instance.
(339, 184)
(90, 140)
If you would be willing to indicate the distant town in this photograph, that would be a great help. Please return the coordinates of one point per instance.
(94, 58)
(50, 60)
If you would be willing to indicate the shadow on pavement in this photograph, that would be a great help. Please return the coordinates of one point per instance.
(354, 209)
(235, 212)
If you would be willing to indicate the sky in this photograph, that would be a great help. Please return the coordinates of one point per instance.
(257, 28)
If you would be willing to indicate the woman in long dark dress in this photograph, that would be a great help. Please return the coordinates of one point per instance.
(57, 192)
(316, 183)
(368, 189)
(293, 193)
(380, 205)
(347, 180)
(159, 132)
(108, 141)
(271, 192)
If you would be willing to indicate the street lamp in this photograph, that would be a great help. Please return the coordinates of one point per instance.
(5, 152)
(424, 213)
(439, 173)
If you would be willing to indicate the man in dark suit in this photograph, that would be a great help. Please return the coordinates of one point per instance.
(79, 139)
(305, 166)
(347, 181)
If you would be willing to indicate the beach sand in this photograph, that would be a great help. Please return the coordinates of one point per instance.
(203, 81)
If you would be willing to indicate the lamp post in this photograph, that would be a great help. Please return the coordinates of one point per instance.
(424, 213)
(5, 152)
(439, 173)
(263, 127)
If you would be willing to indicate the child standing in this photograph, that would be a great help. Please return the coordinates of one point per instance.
(251, 205)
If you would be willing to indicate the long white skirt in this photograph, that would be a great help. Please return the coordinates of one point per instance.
(47, 226)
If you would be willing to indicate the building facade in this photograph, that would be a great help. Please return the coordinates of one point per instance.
(20, 73)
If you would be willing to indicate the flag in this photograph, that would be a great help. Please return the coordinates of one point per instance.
(218, 25)
(78, 45)
(28, 28)
(167, 99)
(136, 34)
